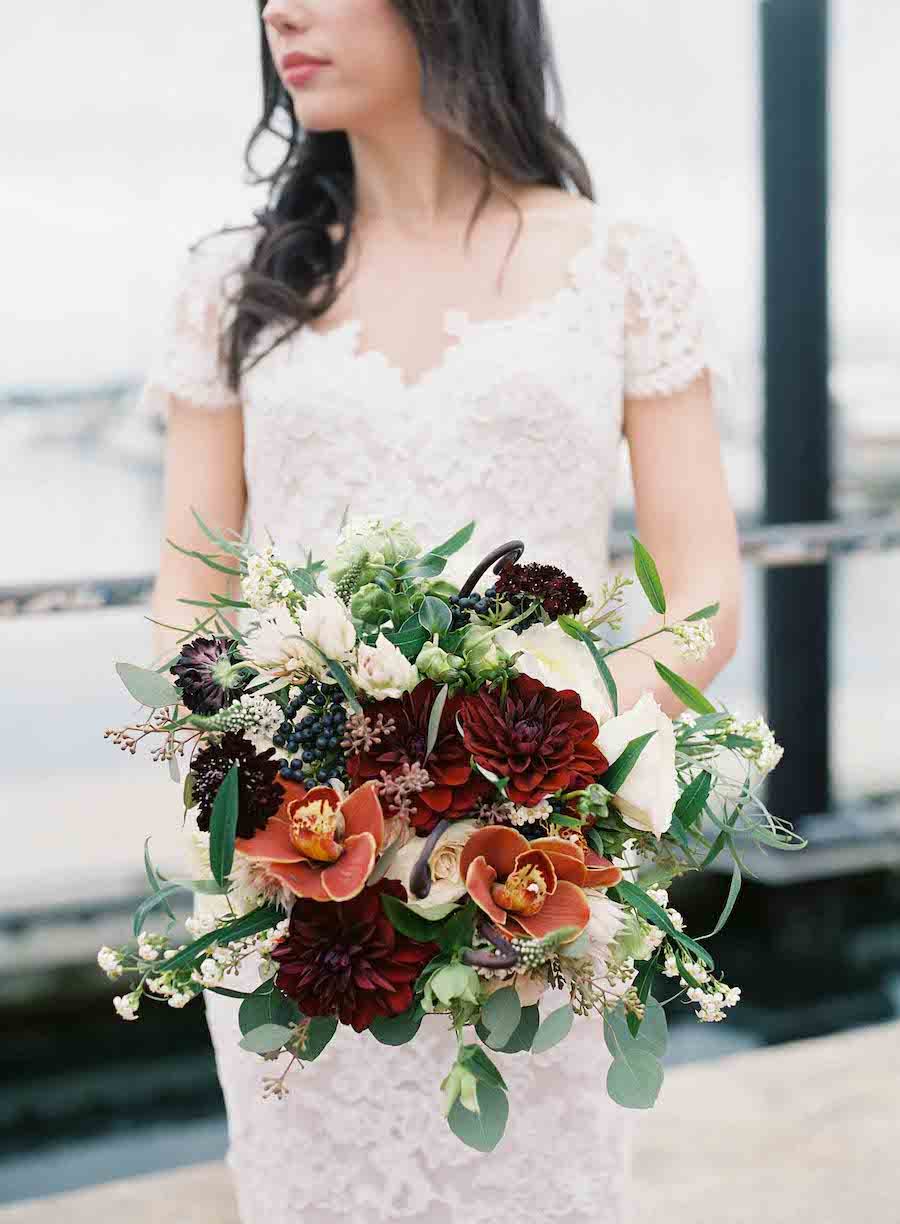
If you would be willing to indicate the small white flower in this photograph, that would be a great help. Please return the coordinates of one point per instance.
(659, 895)
(766, 752)
(181, 999)
(266, 579)
(676, 919)
(383, 670)
(210, 972)
(695, 638)
(127, 1005)
(110, 962)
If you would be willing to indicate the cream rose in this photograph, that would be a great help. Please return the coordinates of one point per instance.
(446, 883)
(275, 645)
(648, 795)
(560, 662)
(383, 670)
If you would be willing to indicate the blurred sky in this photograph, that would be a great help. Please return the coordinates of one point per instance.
(123, 128)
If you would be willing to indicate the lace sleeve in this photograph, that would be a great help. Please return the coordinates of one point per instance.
(671, 334)
(189, 361)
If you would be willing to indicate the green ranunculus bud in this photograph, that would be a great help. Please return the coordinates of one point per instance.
(371, 605)
(438, 665)
(485, 657)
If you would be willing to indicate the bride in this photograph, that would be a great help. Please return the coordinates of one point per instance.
(435, 319)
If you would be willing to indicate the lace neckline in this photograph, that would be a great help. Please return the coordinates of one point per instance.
(456, 321)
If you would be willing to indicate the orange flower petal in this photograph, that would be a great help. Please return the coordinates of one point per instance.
(500, 846)
(363, 813)
(543, 862)
(600, 872)
(322, 794)
(566, 857)
(271, 844)
(479, 878)
(301, 879)
(568, 906)
(347, 877)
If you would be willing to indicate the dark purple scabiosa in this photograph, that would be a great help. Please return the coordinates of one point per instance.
(559, 594)
(259, 792)
(206, 674)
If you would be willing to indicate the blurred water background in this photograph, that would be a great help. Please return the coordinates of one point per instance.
(131, 149)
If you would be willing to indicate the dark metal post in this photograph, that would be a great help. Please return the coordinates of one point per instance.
(795, 62)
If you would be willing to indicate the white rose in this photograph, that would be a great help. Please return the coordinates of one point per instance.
(648, 795)
(560, 662)
(326, 622)
(274, 644)
(446, 882)
(383, 670)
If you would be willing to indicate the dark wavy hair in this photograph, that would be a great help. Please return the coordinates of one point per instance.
(489, 77)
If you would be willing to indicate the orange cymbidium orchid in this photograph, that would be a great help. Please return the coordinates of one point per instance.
(532, 886)
(319, 846)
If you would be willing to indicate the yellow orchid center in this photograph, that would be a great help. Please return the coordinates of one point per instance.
(317, 830)
(523, 891)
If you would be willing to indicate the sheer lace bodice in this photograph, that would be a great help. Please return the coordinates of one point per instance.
(518, 427)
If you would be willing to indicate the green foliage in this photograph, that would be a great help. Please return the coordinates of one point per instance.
(637, 898)
(434, 718)
(482, 1130)
(521, 1039)
(500, 1015)
(553, 1029)
(636, 1074)
(648, 576)
(614, 777)
(148, 687)
(267, 1005)
(267, 1039)
(223, 826)
(458, 540)
(434, 615)
(262, 919)
(320, 1031)
(398, 1030)
(684, 690)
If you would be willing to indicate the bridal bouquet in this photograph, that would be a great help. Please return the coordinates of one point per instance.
(412, 797)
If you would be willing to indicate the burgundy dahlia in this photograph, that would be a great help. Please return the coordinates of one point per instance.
(559, 594)
(538, 737)
(259, 792)
(345, 959)
(204, 672)
(458, 787)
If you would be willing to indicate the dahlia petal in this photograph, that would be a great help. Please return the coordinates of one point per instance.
(450, 773)
(479, 878)
(568, 906)
(500, 846)
(363, 813)
(301, 879)
(436, 798)
(271, 844)
(347, 877)
(600, 872)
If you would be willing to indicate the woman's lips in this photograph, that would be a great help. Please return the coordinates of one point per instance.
(302, 72)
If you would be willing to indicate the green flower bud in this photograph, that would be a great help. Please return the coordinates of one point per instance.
(485, 658)
(370, 605)
(438, 665)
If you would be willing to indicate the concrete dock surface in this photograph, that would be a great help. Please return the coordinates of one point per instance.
(801, 1133)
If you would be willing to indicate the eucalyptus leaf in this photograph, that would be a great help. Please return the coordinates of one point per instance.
(405, 920)
(320, 1032)
(267, 1005)
(398, 1030)
(501, 1014)
(521, 1040)
(481, 1066)
(483, 1130)
(433, 913)
(148, 687)
(634, 1081)
(652, 1036)
(553, 1029)
(648, 576)
(266, 1039)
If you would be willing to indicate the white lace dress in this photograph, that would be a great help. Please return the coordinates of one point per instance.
(518, 428)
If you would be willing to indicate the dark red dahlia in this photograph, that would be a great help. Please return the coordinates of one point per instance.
(559, 594)
(538, 737)
(457, 786)
(345, 959)
(259, 792)
(204, 673)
